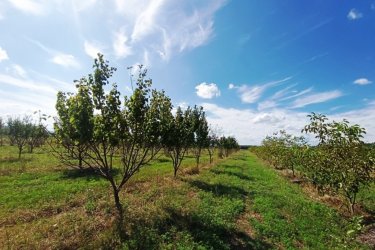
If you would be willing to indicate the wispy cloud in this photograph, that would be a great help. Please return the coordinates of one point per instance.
(3, 55)
(354, 14)
(362, 81)
(164, 28)
(314, 58)
(305, 32)
(66, 60)
(26, 84)
(121, 45)
(57, 57)
(147, 20)
(316, 98)
(267, 104)
(17, 70)
(303, 92)
(28, 6)
(207, 90)
(251, 94)
(92, 49)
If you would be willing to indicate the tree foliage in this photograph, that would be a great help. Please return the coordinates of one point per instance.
(95, 127)
(180, 137)
(19, 132)
(340, 163)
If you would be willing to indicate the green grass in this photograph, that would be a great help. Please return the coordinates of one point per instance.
(237, 204)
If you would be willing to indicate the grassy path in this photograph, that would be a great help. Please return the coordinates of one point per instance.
(237, 204)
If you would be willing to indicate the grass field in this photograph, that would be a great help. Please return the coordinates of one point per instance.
(237, 203)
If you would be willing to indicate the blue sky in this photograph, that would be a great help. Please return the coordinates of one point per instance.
(255, 66)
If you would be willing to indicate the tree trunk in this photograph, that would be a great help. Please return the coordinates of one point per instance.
(19, 152)
(175, 172)
(120, 211)
(80, 160)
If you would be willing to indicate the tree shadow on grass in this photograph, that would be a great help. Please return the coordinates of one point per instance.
(213, 236)
(230, 173)
(87, 173)
(14, 160)
(220, 189)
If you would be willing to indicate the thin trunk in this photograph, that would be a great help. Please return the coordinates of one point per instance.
(175, 170)
(120, 211)
(79, 159)
(19, 152)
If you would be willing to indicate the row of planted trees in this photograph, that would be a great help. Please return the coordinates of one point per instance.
(97, 130)
(340, 164)
(23, 133)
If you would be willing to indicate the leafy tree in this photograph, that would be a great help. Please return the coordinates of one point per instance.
(212, 142)
(285, 151)
(227, 145)
(341, 161)
(200, 131)
(180, 137)
(133, 133)
(38, 132)
(19, 132)
(74, 125)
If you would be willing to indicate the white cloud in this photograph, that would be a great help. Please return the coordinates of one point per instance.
(120, 44)
(316, 98)
(28, 6)
(146, 21)
(362, 81)
(3, 55)
(251, 94)
(354, 14)
(267, 104)
(164, 27)
(207, 90)
(92, 49)
(17, 70)
(26, 84)
(303, 92)
(251, 126)
(66, 60)
(231, 86)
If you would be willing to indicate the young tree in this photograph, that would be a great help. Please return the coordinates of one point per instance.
(212, 142)
(74, 125)
(200, 131)
(19, 132)
(134, 133)
(180, 137)
(341, 161)
(38, 132)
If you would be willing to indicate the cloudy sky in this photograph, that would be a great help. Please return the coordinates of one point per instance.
(255, 66)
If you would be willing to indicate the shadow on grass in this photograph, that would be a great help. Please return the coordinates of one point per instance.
(230, 173)
(219, 189)
(14, 160)
(180, 231)
(87, 173)
(213, 236)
